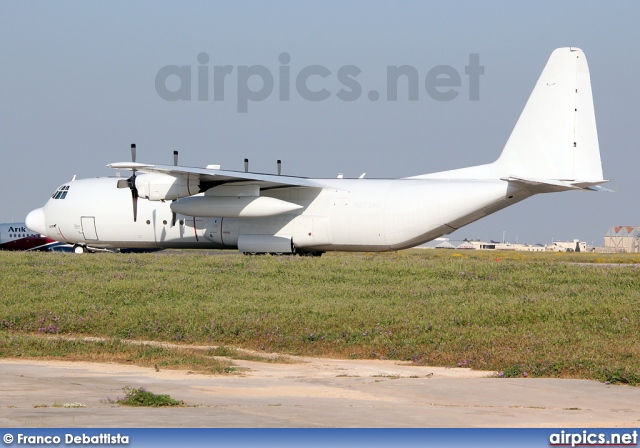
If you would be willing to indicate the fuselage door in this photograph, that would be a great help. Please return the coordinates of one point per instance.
(89, 228)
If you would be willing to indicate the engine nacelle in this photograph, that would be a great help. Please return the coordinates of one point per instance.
(161, 187)
(232, 207)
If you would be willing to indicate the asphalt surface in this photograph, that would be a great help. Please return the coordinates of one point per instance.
(310, 393)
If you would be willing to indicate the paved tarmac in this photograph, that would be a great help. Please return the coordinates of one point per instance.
(311, 393)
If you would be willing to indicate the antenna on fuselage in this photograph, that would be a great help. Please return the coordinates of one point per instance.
(246, 165)
(279, 166)
(173, 214)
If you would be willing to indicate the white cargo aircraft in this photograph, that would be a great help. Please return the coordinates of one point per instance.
(553, 147)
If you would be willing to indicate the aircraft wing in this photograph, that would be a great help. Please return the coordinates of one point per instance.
(218, 177)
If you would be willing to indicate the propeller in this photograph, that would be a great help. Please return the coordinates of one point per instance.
(131, 184)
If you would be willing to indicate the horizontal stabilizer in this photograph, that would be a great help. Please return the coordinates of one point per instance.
(600, 189)
(553, 185)
(590, 185)
(540, 185)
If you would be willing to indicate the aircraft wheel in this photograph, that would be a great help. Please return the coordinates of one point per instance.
(310, 254)
(313, 254)
(78, 249)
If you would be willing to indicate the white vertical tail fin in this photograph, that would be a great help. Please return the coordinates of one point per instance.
(554, 145)
(555, 136)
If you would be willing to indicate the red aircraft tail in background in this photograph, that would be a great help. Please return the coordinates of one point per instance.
(16, 236)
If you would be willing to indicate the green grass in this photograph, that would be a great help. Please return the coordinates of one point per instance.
(139, 396)
(234, 353)
(522, 314)
(17, 345)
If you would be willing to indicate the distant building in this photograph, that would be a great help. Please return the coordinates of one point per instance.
(568, 246)
(446, 243)
(466, 245)
(622, 239)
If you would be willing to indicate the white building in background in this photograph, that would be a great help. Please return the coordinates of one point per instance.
(622, 239)
(567, 246)
(492, 245)
(557, 246)
(446, 243)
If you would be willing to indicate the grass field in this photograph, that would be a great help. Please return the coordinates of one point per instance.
(521, 314)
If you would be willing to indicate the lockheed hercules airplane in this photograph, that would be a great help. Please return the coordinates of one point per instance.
(553, 147)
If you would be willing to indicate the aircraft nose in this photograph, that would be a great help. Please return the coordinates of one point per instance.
(35, 221)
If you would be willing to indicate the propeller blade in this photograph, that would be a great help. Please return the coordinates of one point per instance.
(134, 198)
(130, 183)
(134, 195)
(173, 219)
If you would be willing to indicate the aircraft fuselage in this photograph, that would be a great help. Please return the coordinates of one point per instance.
(347, 215)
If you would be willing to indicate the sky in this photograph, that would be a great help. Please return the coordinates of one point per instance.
(81, 81)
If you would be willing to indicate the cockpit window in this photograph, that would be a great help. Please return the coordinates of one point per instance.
(61, 192)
